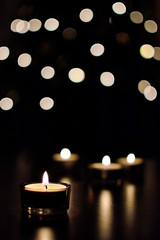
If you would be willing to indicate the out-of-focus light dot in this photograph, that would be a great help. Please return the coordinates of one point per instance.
(4, 53)
(86, 15)
(14, 25)
(107, 79)
(136, 17)
(123, 38)
(97, 49)
(130, 158)
(106, 160)
(150, 93)
(34, 25)
(157, 53)
(76, 75)
(24, 60)
(69, 33)
(65, 153)
(119, 8)
(22, 26)
(147, 51)
(6, 103)
(46, 103)
(51, 24)
(47, 72)
(150, 26)
(142, 85)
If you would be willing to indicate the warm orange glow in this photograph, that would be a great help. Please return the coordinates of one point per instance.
(130, 158)
(45, 179)
(106, 160)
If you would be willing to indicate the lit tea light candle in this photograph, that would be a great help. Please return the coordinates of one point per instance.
(66, 157)
(105, 172)
(130, 160)
(45, 198)
(132, 166)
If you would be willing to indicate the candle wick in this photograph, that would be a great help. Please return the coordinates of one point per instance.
(46, 187)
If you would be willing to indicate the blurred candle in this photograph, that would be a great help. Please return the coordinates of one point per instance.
(132, 166)
(66, 158)
(105, 172)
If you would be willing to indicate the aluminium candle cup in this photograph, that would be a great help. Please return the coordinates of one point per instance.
(46, 202)
(105, 175)
(132, 171)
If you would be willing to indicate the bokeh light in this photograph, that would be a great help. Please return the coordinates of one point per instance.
(35, 25)
(76, 75)
(106, 160)
(69, 33)
(150, 93)
(6, 103)
(136, 17)
(130, 158)
(14, 25)
(22, 26)
(4, 52)
(97, 49)
(24, 60)
(47, 72)
(119, 8)
(107, 79)
(147, 51)
(46, 103)
(123, 38)
(142, 85)
(157, 53)
(86, 15)
(150, 26)
(65, 153)
(51, 24)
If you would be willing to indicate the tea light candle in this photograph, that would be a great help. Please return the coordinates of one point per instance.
(65, 155)
(106, 172)
(132, 166)
(45, 198)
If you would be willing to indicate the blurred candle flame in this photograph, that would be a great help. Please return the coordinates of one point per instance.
(106, 160)
(130, 158)
(45, 179)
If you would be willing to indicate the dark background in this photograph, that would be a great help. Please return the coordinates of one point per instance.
(88, 118)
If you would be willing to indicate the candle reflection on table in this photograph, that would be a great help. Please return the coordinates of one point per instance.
(105, 218)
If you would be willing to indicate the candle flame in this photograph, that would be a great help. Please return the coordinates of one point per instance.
(45, 179)
(65, 153)
(130, 158)
(106, 160)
